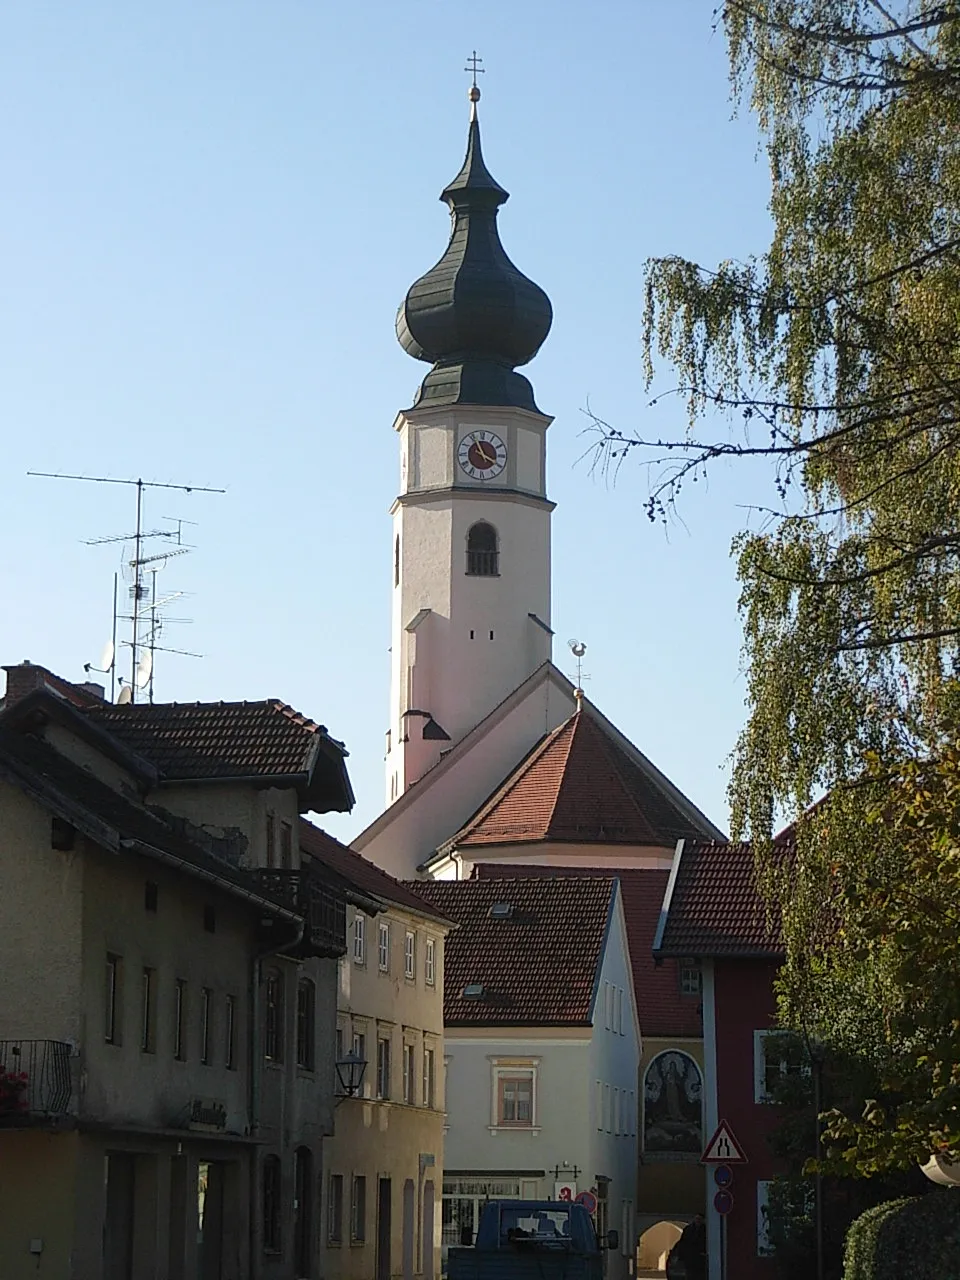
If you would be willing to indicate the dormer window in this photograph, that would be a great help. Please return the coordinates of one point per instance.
(483, 552)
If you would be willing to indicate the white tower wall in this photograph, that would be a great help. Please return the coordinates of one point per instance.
(461, 643)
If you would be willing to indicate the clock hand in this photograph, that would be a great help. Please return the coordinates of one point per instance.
(487, 457)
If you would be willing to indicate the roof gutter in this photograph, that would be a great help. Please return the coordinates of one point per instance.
(211, 877)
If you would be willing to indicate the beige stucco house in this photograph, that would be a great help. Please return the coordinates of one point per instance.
(168, 981)
(383, 1164)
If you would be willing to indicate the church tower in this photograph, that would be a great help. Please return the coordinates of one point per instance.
(471, 525)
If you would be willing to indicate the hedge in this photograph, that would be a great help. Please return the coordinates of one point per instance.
(917, 1238)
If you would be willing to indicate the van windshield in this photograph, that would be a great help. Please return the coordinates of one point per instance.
(546, 1228)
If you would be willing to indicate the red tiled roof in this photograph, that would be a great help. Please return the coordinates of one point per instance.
(362, 874)
(207, 741)
(714, 907)
(662, 1009)
(578, 785)
(538, 967)
(215, 739)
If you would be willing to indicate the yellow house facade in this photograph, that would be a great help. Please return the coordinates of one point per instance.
(383, 1165)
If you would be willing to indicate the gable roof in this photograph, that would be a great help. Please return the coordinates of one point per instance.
(115, 821)
(266, 742)
(663, 1009)
(580, 785)
(712, 906)
(545, 675)
(363, 875)
(540, 966)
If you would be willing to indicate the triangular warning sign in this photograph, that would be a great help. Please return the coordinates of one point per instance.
(723, 1148)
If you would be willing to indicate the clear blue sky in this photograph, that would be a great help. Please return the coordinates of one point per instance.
(211, 210)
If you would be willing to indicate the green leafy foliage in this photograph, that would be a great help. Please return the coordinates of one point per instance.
(840, 349)
(917, 1237)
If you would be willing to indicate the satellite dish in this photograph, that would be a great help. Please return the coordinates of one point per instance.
(144, 669)
(125, 696)
(106, 658)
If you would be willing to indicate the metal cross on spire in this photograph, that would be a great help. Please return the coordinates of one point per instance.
(474, 67)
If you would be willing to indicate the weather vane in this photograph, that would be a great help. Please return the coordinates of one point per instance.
(578, 649)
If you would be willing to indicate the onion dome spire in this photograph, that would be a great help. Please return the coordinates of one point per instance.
(474, 316)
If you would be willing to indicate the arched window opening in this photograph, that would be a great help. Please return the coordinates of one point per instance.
(302, 1204)
(672, 1100)
(396, 561)
(483, 553)
(273, 1017)
(305, 1025)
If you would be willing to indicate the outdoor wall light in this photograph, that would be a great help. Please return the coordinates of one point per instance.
(350, 1069)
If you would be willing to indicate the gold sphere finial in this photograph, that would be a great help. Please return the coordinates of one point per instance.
(473, 93)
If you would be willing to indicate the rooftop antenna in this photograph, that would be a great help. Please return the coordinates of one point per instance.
(578, 649)
(136, 566)
(108, 658)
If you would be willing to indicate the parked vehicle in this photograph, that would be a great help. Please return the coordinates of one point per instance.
(532, 1240)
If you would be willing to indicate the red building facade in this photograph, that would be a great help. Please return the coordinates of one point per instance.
(713, 916)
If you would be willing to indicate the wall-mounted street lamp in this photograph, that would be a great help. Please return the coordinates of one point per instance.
(350, 1069)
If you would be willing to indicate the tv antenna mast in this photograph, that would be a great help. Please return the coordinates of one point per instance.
(144, 611)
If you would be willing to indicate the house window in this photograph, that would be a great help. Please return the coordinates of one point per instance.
(616, 1111)
(776, 1054)
(150, 896)
(273, 1021)
(430, 962)
(210, 918)
(410, 955)
(672, 1099)
(271, 840)
(599, 1106)
(230, 1032)
(483, 555)
(396, 561)
(515, 1099)
(358, 1210)
(305, 1024)
(148, 1028)
(429, 1078)
(383, 947)
(206, 1003)
(359, 1048)
(359, 939)
(607, 1109)
(383, 1068)
(691, 980)
(409, 1074)
(179, 1020)
(271, 1205)
(112, 999)
(335, 1208)
(286, 845)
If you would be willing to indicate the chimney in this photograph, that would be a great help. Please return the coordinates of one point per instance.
(27, 677)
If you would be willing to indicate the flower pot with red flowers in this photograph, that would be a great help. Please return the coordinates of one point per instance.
(13, 1093)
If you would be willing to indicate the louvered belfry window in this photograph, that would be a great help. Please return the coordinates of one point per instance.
(483, 555)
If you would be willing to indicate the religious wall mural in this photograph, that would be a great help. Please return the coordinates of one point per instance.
(672, 1100)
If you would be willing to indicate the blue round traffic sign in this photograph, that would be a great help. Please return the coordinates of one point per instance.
(723, 1202)
(723, 1175)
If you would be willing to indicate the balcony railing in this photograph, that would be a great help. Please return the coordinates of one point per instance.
(34, 1080)
(321, 905)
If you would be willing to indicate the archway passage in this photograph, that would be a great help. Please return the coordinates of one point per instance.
(654, 1246)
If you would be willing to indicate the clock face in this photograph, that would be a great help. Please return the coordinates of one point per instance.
(482, 455)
